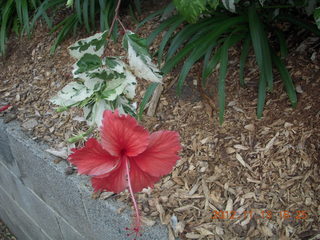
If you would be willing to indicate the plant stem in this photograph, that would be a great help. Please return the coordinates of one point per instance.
(116, 14)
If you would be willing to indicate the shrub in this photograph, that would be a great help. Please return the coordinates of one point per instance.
(15, 16)
(83, 13)
(213, 27)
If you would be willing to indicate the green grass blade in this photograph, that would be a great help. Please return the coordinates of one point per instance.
(103, 20)
(221, 80)
(41, 11)
(6, 15)
(205, 64)
(261, 47)
(85, 12)
(19, 11)
(25, 16)
(77, 4)
(195, 55)
(92, 13)
(67, 26)
(191, 30)
(229, 42)
(210, 36)
(282, 44)
(300, 23)
(16, 26)
(150, 17)
(209, 68)
(162, 27)
(287, 80)
(137, 4)
(261, 95)
(166, 38)
(243, 58)
(149, 92)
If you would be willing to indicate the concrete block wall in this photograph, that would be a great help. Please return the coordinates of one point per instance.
(38, 201)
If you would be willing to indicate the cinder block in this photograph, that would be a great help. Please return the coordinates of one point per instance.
(107, 223)
(30, 202)
(19, 234)
(19, 219)
(69, 197)
(48, 181)
(68, 232)
(5, 151)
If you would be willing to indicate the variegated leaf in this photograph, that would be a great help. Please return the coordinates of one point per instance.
(71, 94)
(93, 45)
(139, 58)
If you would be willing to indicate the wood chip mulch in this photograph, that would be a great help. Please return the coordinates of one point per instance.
(245, 179)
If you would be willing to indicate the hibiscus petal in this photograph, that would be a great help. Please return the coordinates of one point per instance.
(121, 135)
(161, 154)
(116, 181)
(140, 179)
(92, 159)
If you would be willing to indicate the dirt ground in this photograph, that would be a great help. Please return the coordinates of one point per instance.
(245, 179)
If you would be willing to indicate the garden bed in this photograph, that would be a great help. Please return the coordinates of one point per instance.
(259, 168)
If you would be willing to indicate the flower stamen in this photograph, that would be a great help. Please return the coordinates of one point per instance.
(136, 229)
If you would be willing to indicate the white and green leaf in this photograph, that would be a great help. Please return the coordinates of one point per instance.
(71, 94)
(86, 63)
(139, 58)
(230, 5)
(97, 111)
(93, 45)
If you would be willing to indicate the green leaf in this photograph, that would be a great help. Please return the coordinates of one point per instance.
(282, 43)
(166, 38)
(215, 33)
(87, 62)
(139, 58)
(78, 10)
(97, 111)
(222, 78)
(6, 15)
(261, 47)
(261, 96)
(230, 41)
(316, 16)
(300, 23)
(93, 45)
(213, 4)
(191, 10)
(71, 94)
(149, 92)
(287, 80)
(243, 58)
(161, 27)
(85, 13)
(230, 5)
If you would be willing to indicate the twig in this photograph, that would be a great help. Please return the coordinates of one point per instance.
(114, 18)
(154, 100)
(204, 95)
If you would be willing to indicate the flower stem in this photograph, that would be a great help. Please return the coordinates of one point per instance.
(136, 229)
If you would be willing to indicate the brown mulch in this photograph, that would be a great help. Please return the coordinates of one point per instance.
(5, 233)
(266, 170)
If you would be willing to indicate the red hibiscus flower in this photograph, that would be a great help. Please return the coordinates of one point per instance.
(4, 108)
(127, 156)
